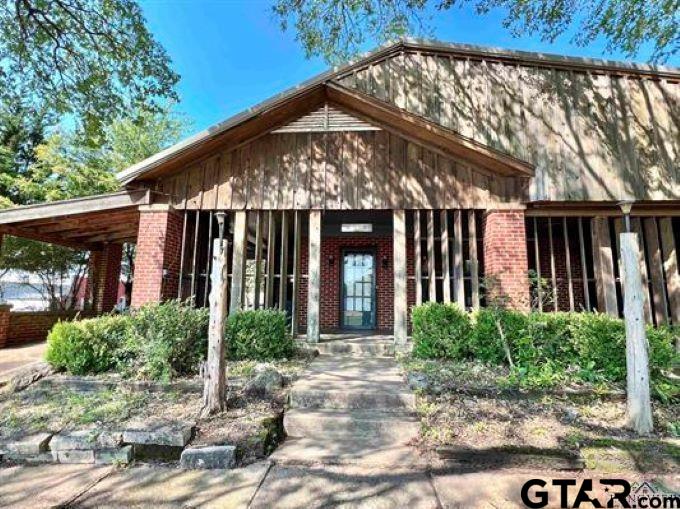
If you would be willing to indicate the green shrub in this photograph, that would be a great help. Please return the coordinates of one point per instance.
(485, 342)
(258, 335)
(440, 331)
(165, 341)
(87, 346)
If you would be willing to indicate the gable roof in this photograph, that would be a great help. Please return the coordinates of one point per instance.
(270, 113)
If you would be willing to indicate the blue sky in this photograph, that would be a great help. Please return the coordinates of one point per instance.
(231, 54)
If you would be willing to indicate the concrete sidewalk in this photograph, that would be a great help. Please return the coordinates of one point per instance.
(14, 358)
(263, 486)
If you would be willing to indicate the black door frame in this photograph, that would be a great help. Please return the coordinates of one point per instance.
(374, 300)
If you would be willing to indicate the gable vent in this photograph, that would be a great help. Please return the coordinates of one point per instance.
(326, 119)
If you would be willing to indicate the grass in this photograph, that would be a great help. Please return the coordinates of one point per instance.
(39, 409)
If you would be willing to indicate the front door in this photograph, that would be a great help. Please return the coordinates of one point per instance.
(358, 290)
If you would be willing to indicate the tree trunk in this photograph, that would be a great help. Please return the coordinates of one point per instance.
(214, 373)
(637, 358)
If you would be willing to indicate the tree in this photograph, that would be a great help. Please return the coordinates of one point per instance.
(66, 166)
(337, 29)
(92, 60)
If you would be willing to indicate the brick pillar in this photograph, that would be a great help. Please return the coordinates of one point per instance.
(104, 277)
(4, 323)
(159, 244)
(505, 256)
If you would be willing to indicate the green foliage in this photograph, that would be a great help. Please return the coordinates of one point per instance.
(258, 335)
(158, 342)
(440, 331)
(86, 346)
(549, 349)
(165, 341)
(485, 342)
(338, 29)
(90, 60)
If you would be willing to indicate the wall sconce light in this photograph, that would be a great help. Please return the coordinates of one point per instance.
(385, 262)
(331, 261)
(626, 206)
(166, 273)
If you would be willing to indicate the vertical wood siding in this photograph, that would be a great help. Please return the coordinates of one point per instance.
(592, 135)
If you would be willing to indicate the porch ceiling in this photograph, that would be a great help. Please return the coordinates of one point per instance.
(83, 223)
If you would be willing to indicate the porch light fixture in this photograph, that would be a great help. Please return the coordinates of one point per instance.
(626, 206)
(331, 260)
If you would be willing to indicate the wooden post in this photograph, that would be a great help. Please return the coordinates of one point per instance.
(458, 281)
(417, 258)
(637, 358)
(603, 264)
(537, 255)
(297, 234)
(271, 253)
(259, 230)
(474, 264)
(446, 269)
(314, 278)
(214, 375)
(283, 282)
(431, 273)
(671, 271)
(238, 263)
(584, 264)
(400, 293)
(656, 271)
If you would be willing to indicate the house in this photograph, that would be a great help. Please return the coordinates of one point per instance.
(416, 173)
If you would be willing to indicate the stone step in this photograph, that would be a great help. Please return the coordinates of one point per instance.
(397, 426)
(352, 348)
(305, 397)
(360, 452)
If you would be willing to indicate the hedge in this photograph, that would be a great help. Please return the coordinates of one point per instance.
(163, 341)
(546, 348)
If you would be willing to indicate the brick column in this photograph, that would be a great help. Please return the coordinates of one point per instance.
(157, 259)
(104, 277)
(505, 256)
(4, 323)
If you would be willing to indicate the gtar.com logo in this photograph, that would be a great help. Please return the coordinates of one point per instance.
(572, 493)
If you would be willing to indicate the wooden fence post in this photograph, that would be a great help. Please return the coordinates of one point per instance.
(238, 262)
(214, 376)
(637, 357)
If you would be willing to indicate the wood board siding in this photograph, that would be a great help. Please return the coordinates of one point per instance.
(591, 135)
(336, 170)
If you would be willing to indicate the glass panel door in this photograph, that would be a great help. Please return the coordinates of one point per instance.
(358, 290)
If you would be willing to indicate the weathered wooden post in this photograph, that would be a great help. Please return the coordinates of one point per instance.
(639, 407)
(214, 387)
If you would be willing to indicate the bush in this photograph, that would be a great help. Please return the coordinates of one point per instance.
(87, 346)
(440, 331)
(547, 349)
(258, 335)
(485, 342)
(165, 341)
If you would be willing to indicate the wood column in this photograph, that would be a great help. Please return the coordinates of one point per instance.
(400, 286)
(637, 355)
(671, 271)
(314, 279)
(603, 265)
(238, 263)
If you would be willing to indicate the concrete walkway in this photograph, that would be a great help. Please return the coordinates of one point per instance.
(14, 358)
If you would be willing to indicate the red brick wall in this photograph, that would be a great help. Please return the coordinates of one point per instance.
(28, 326)
(4, 324)
(330, 280)
(505, 255)
(104, 277)
(159, 242)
